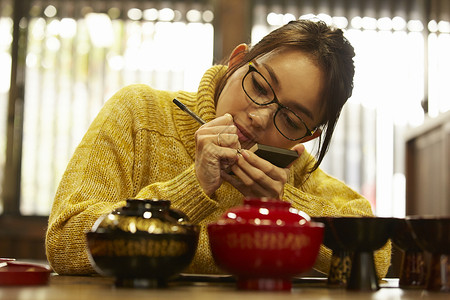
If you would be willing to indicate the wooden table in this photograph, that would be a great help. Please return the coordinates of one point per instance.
(79, 287)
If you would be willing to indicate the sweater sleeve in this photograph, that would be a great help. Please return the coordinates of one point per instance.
(323, 195)
(101, 176)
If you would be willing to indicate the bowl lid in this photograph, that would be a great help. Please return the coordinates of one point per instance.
(13, 273)
(147, 216)
(265, 211)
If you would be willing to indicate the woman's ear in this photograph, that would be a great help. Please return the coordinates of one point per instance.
(316, 134)
(237, 55)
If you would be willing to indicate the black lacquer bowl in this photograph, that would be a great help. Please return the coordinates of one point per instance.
(362, 236)
(413, 269)
(143, 244)
(341, 259)
(432, 234)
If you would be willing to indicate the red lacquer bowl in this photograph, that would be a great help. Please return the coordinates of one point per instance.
(265, 243)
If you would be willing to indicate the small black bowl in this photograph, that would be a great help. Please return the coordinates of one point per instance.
(413, 268)
(341, 259)
(362, 236)
(432, 234)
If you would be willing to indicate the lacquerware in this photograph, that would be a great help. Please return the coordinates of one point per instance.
(413, 268)
(341, 258)
(432, 234)
(18, 273)
(265, 243)
(143, 244)
(362, 236)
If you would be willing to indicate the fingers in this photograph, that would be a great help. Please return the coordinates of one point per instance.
(209, 162)
(230, 140)
(220, 131)
(249, 174)
(251, 188)
(257, 177)
(252, 162)
(226, 119)
(216, 144)
(299, 148)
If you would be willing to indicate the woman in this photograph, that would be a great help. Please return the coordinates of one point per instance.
(286, 90)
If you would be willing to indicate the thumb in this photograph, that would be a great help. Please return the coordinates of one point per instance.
(299, 148)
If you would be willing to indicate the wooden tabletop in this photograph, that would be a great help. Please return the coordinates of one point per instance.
(80, 287)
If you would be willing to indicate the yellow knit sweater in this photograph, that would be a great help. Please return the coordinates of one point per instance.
(142, 146)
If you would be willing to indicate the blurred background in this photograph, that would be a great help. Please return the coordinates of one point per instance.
(61, 60)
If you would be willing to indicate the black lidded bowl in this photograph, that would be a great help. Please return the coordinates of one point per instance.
(142, 244)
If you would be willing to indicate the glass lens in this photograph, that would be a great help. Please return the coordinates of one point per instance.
(257, 88)
(289, 124)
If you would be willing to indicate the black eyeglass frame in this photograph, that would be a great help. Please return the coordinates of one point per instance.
(251, 68)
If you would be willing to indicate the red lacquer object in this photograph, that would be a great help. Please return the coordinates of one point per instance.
(14, 273)
(265, 243)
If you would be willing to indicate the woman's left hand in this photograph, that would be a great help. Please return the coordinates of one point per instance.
(256, 177)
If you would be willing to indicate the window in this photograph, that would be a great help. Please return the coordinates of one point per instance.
(6, 25)
(80, 53)
(390, 93)
(438, 66)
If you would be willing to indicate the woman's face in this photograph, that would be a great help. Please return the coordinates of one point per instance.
(297, 82)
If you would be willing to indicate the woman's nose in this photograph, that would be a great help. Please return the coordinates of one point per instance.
(262, 116)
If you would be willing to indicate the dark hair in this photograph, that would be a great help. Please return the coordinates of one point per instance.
(332, 52)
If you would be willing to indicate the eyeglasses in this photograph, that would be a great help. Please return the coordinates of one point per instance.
(287, 122)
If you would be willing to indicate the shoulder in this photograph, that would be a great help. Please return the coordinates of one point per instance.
(136, 98)
(148, 107)
(138, 94)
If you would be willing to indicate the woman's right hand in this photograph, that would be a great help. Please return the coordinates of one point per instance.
(216, 143)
